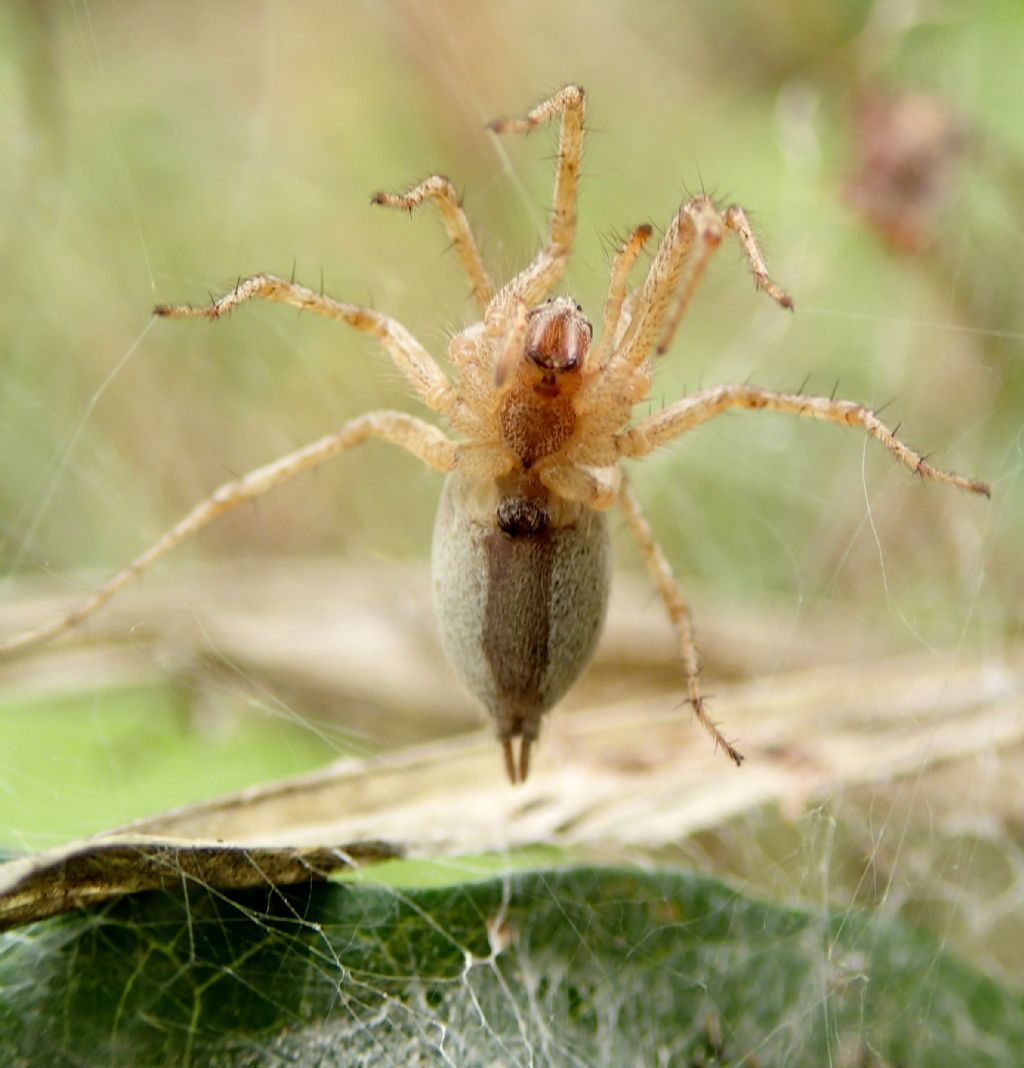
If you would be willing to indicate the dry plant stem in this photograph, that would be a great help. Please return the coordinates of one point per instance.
(410, 357)
(421, 439)
(442, 192)
(678, 611)
(690, 412)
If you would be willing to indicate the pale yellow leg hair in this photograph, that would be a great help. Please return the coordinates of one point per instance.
(596, 487)
(678, 612)
(442, 192)
(734, 220)
(429, 381)
(623, 263)
(512, 348)
(424, 441)
(697, 221)
(679, 264)
(690, 412)
(535, 281)
(481, 376)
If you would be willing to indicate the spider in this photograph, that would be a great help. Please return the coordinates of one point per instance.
(542, 416)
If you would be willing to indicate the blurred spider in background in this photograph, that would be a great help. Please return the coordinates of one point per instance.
(541, 413)
(911, 149)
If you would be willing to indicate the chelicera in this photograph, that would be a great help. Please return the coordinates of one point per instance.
(540, 414)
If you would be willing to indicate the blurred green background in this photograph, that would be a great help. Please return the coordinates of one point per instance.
(156, 151)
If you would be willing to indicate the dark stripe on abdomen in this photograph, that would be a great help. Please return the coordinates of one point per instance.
(517, 625)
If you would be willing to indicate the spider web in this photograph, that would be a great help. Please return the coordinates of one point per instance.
(575, 967)
(860, 922)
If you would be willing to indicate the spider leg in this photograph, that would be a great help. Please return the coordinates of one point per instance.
(692, 239)
(621, 266)
(734, 220)
(534, 282)
(678, 612)
(596, 487)
(429, 381)
(424, 441)
(691, 411)
(442, 192)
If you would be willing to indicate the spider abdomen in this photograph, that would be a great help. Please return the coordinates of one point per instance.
(520, 591)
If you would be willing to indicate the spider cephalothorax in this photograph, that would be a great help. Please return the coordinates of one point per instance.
(521, 561)
(537, 379)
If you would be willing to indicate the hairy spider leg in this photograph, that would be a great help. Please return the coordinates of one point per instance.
(678, 612)
(622, 265)
(596, 487)
(424, 441)
(441, 191)
(410, 357)
(534, 282)
(685, 414)
(734, 220)
(687, 247)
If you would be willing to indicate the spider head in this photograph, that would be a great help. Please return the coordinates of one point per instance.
(558, 335)
(547, 349)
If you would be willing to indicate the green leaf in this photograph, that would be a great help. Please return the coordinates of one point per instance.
(580, 966)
